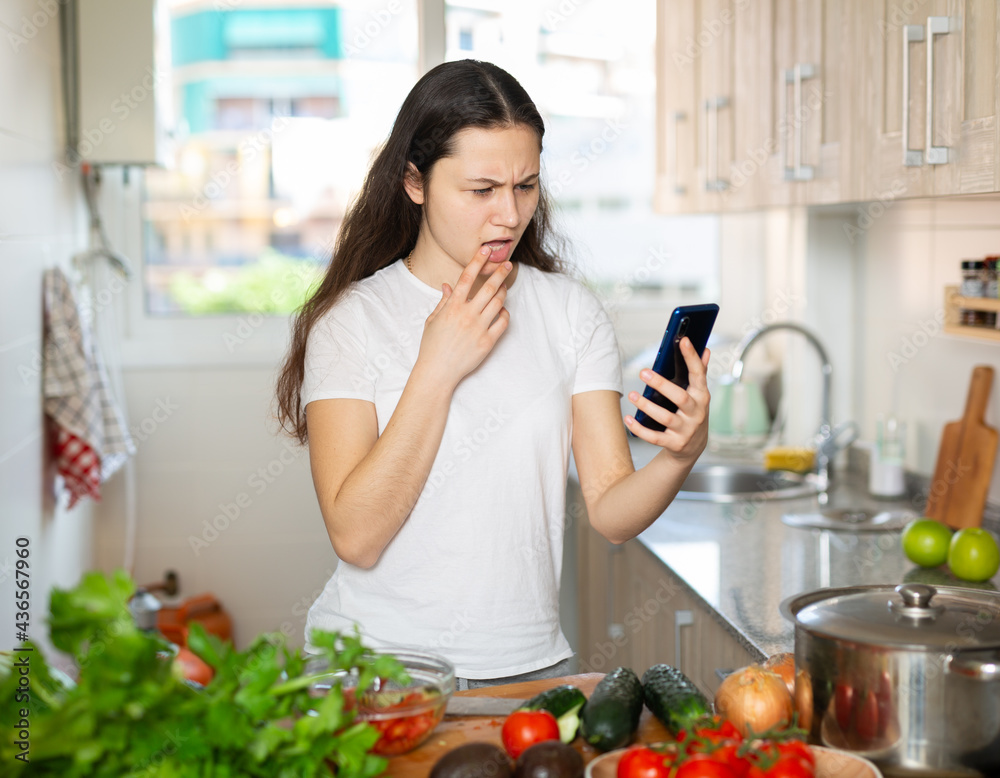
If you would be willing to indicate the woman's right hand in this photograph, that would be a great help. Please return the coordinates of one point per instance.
(460, 332)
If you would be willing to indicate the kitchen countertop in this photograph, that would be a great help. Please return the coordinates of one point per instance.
(742, 561)
(457, 731)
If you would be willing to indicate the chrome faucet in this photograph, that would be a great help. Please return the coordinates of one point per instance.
(829, 440)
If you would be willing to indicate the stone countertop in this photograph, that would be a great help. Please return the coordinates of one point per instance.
(742, 561)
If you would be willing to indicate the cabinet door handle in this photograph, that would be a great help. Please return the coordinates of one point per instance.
(682, 618)
(615, 630)
(795, 76)
(912, 33)
(933, 155)
(676, 117)
(712, 181)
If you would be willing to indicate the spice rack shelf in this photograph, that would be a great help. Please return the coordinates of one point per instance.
(954, 303)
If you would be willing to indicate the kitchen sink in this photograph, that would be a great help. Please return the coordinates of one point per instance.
(731, 483)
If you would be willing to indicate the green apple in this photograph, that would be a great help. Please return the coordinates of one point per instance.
(973, 554)
(925, 541)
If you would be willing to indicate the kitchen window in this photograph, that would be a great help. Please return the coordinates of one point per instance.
(275, 124)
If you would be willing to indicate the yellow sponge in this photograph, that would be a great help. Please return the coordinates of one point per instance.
(798, 460)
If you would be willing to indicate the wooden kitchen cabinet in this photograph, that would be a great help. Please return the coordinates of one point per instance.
(966, 95)
(812, 76)
(959, 155)
(635, 612)
(808, 102)
(677, 116)
(709, 116)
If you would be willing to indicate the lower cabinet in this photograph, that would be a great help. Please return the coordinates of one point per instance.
(635, 612)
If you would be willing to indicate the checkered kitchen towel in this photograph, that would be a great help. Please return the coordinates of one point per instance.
(89, 436)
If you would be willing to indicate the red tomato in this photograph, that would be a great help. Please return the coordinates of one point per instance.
(524, 728)
(193, 667)
(723, 729)
(405, 732)
(866, 716)
(799, 749)
(785, 767)
(704, 766)
(728, 755)
(884, 696)
(843, 703)
(643, 762)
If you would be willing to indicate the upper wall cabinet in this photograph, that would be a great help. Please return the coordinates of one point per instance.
(712, 124)
(811, 85)
(784, 102)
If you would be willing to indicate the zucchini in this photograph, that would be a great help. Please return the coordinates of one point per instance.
(673, 698)
(611, 715)
(564, 702)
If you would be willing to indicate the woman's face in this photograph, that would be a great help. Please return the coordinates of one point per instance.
(484, 193)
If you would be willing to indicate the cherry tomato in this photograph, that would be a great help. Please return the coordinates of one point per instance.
(405, 732)
(704, 766)
(643, 762)
(728, 754)
(884, 696)
(724, 729)
(785, 767)
(799, 749)
(524, 728)
(866, 716)
(193, 667)
(843, 703)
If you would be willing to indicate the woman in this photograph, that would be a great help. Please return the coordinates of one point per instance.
(441, 374)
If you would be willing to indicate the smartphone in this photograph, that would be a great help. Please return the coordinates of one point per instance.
(694, 322)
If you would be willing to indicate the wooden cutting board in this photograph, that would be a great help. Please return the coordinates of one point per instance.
(454, 732)
(965, 459)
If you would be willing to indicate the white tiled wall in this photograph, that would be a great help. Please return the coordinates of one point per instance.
(870, 296)
(912, 252)
(40, 226)
(209, 458)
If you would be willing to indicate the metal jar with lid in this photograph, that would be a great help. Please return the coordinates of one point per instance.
(907, 676)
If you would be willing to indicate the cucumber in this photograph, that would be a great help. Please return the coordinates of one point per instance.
(673, 698)
(611, 715)
(564, 702)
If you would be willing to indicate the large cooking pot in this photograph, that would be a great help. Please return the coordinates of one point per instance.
(907, 676)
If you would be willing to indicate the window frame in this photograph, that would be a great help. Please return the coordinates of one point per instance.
(225, 340)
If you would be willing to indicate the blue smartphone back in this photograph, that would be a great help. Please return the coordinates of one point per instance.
(694, 322)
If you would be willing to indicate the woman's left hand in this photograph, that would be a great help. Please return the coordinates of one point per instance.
(686, 432)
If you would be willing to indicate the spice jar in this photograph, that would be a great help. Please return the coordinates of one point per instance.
(972, 286)
(990, 288)
(990, 277)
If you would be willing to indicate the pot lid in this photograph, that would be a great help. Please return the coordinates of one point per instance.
(914, 615)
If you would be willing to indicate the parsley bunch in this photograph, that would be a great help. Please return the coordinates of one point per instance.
(131, 713)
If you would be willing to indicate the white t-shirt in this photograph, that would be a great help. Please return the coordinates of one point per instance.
(473, 573)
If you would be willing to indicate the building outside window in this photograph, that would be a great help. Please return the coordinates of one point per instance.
(280, 106)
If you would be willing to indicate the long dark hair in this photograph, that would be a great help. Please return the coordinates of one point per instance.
(382, 223)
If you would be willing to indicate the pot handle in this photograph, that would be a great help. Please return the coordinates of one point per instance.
(973, 669)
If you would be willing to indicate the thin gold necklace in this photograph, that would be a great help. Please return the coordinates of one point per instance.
(409, 266)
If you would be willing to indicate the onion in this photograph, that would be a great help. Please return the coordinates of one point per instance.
(754, 698)
(783, 665)
(804, 699)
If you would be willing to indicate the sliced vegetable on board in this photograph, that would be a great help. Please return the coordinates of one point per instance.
(565, 703)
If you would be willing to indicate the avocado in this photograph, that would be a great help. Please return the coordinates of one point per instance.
(550, 759)
(473, 760)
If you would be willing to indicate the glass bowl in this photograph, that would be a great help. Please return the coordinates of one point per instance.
(406, 715)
